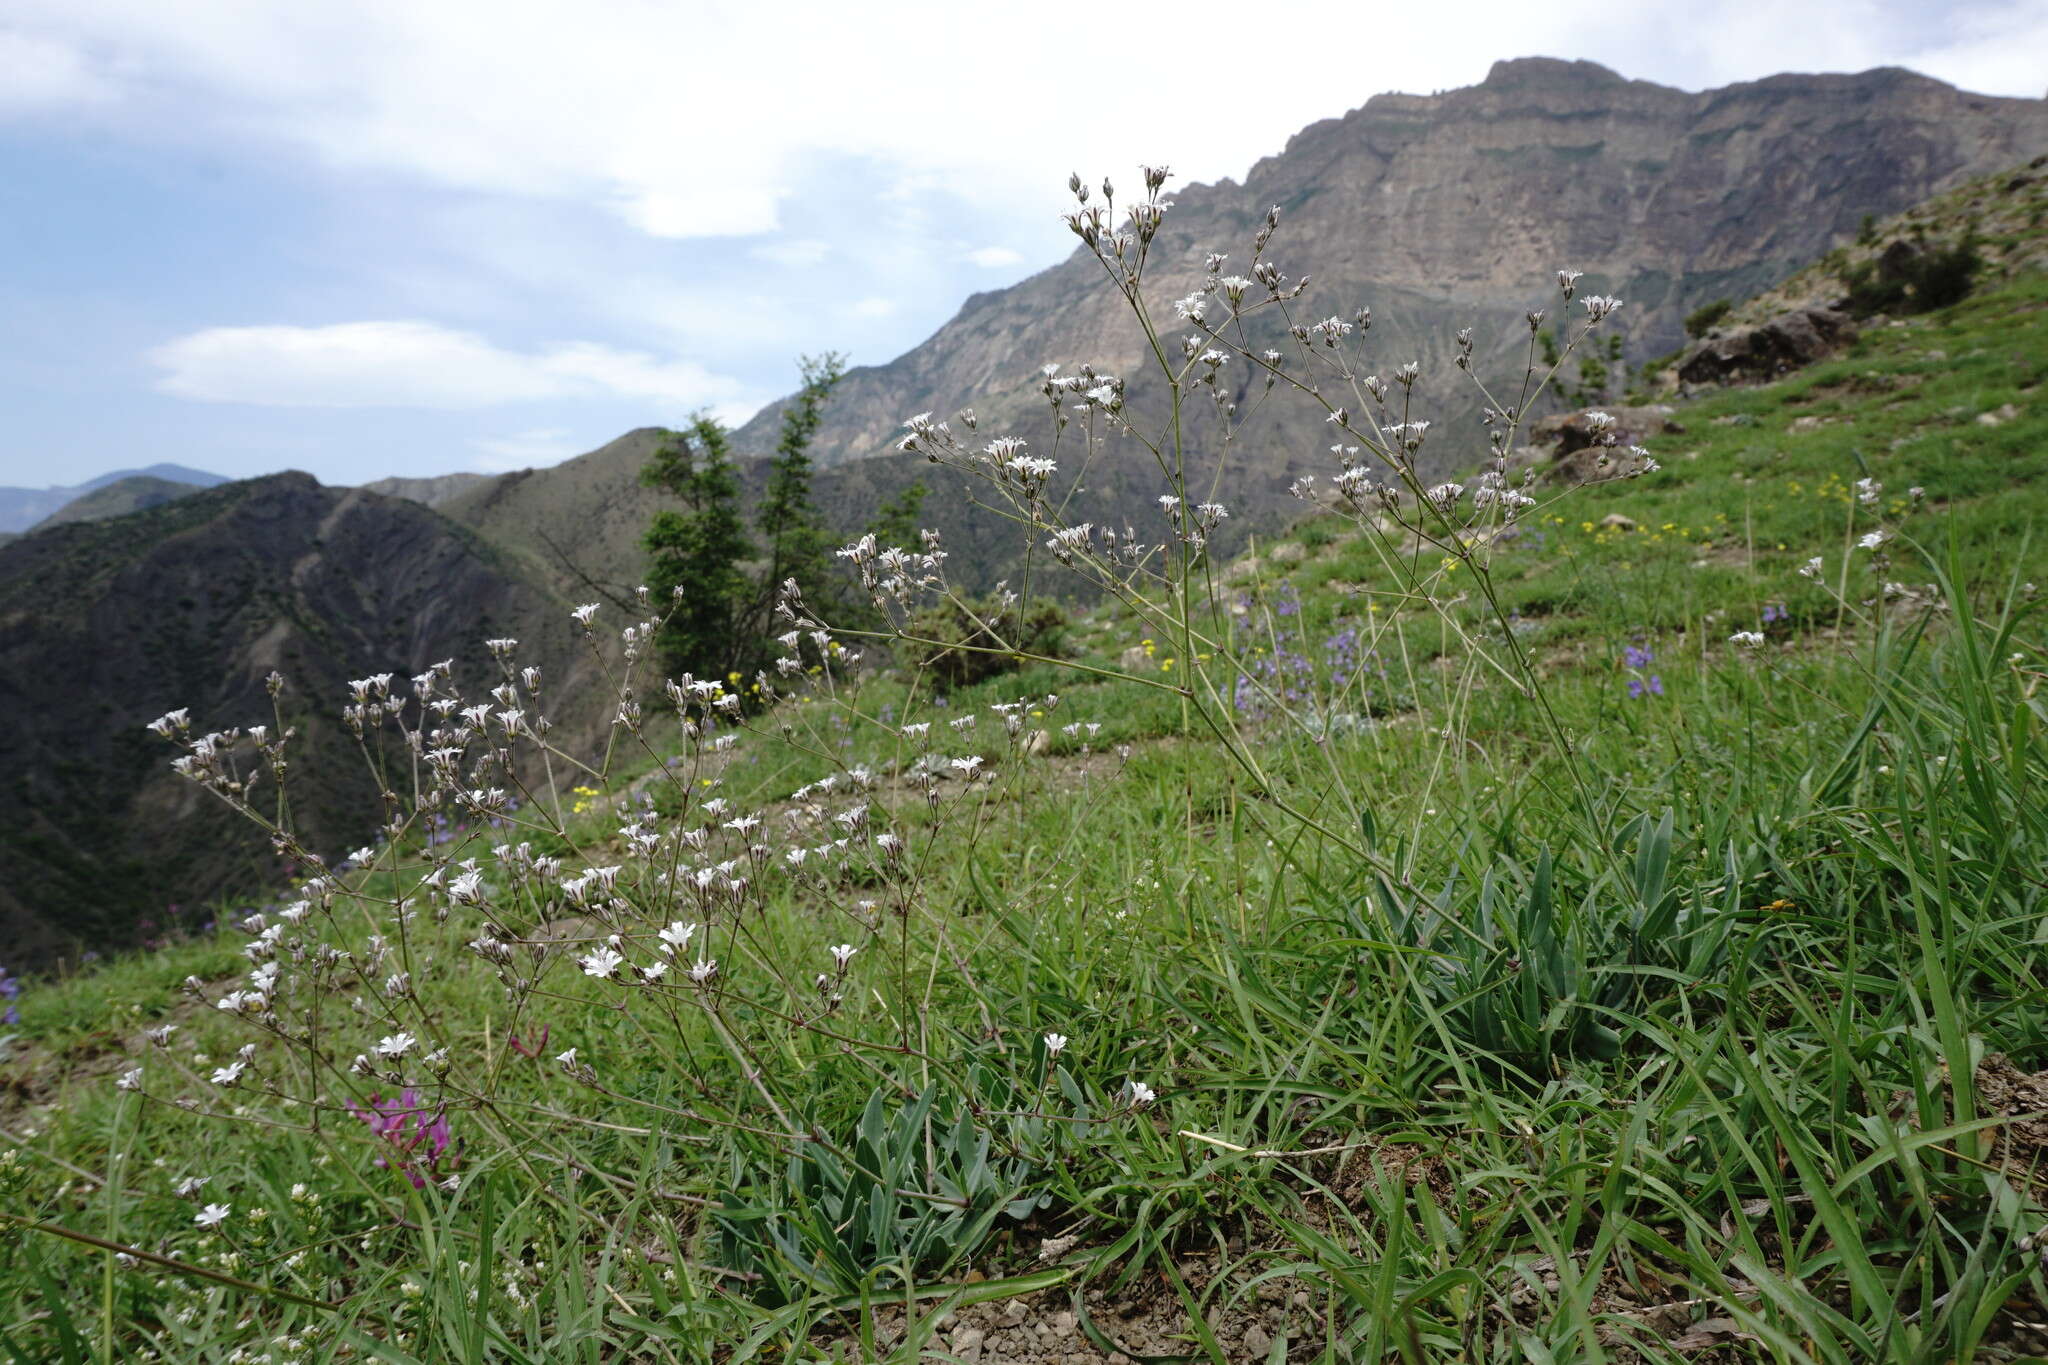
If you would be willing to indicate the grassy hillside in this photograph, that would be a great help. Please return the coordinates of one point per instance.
(1407, 954)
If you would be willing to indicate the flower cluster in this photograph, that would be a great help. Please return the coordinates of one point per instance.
(418, 1134)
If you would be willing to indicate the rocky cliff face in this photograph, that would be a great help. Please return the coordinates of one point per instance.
(1452, 210)
(105, 625)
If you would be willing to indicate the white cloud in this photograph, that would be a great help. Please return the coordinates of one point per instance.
(995, 257)
(410, 364)
(871, 307)
(43, 73)
(700, 120)
(523, 450)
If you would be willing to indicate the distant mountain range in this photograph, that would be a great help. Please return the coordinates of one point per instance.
(23, 508)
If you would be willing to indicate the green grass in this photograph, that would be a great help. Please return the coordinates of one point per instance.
(1486, 1047)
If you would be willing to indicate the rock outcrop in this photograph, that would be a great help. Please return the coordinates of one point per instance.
(1574, 438)
(1785, 343)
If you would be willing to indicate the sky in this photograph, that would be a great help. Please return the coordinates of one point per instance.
(418, 237)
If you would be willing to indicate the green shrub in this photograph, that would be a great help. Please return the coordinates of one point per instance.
(1914, 278)
(964, 642)
(1702, 319)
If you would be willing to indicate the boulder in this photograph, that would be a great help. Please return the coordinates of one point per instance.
(1785, 343)
(1570, 432)
(1574, 458)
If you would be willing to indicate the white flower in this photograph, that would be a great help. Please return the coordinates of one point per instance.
(1811, 569)
(566, 1058)
(677, 936)
(1867, 491)
(466, 889)
(842, 953)
(654, 971)
(229, 1074)
(190, 1185)
(1748, 639)
(968, 766)
(601, 962)
(584, 613)
(1055, 1043)
(1140, 1093)
(1874, 539)
(396, 1045)
(213, 1215)
(703, 970)
(131, 1079)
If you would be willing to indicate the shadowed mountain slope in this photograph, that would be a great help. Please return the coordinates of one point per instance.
(105, 625)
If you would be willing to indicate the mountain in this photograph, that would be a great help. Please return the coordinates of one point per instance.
(1453, 210)
(104, 625)
(22, 508)
(432, 491)
(131, 494)
(1438, 211)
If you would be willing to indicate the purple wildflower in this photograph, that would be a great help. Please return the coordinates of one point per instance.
(10, 991)
(409, 1126)
(1636, 658)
